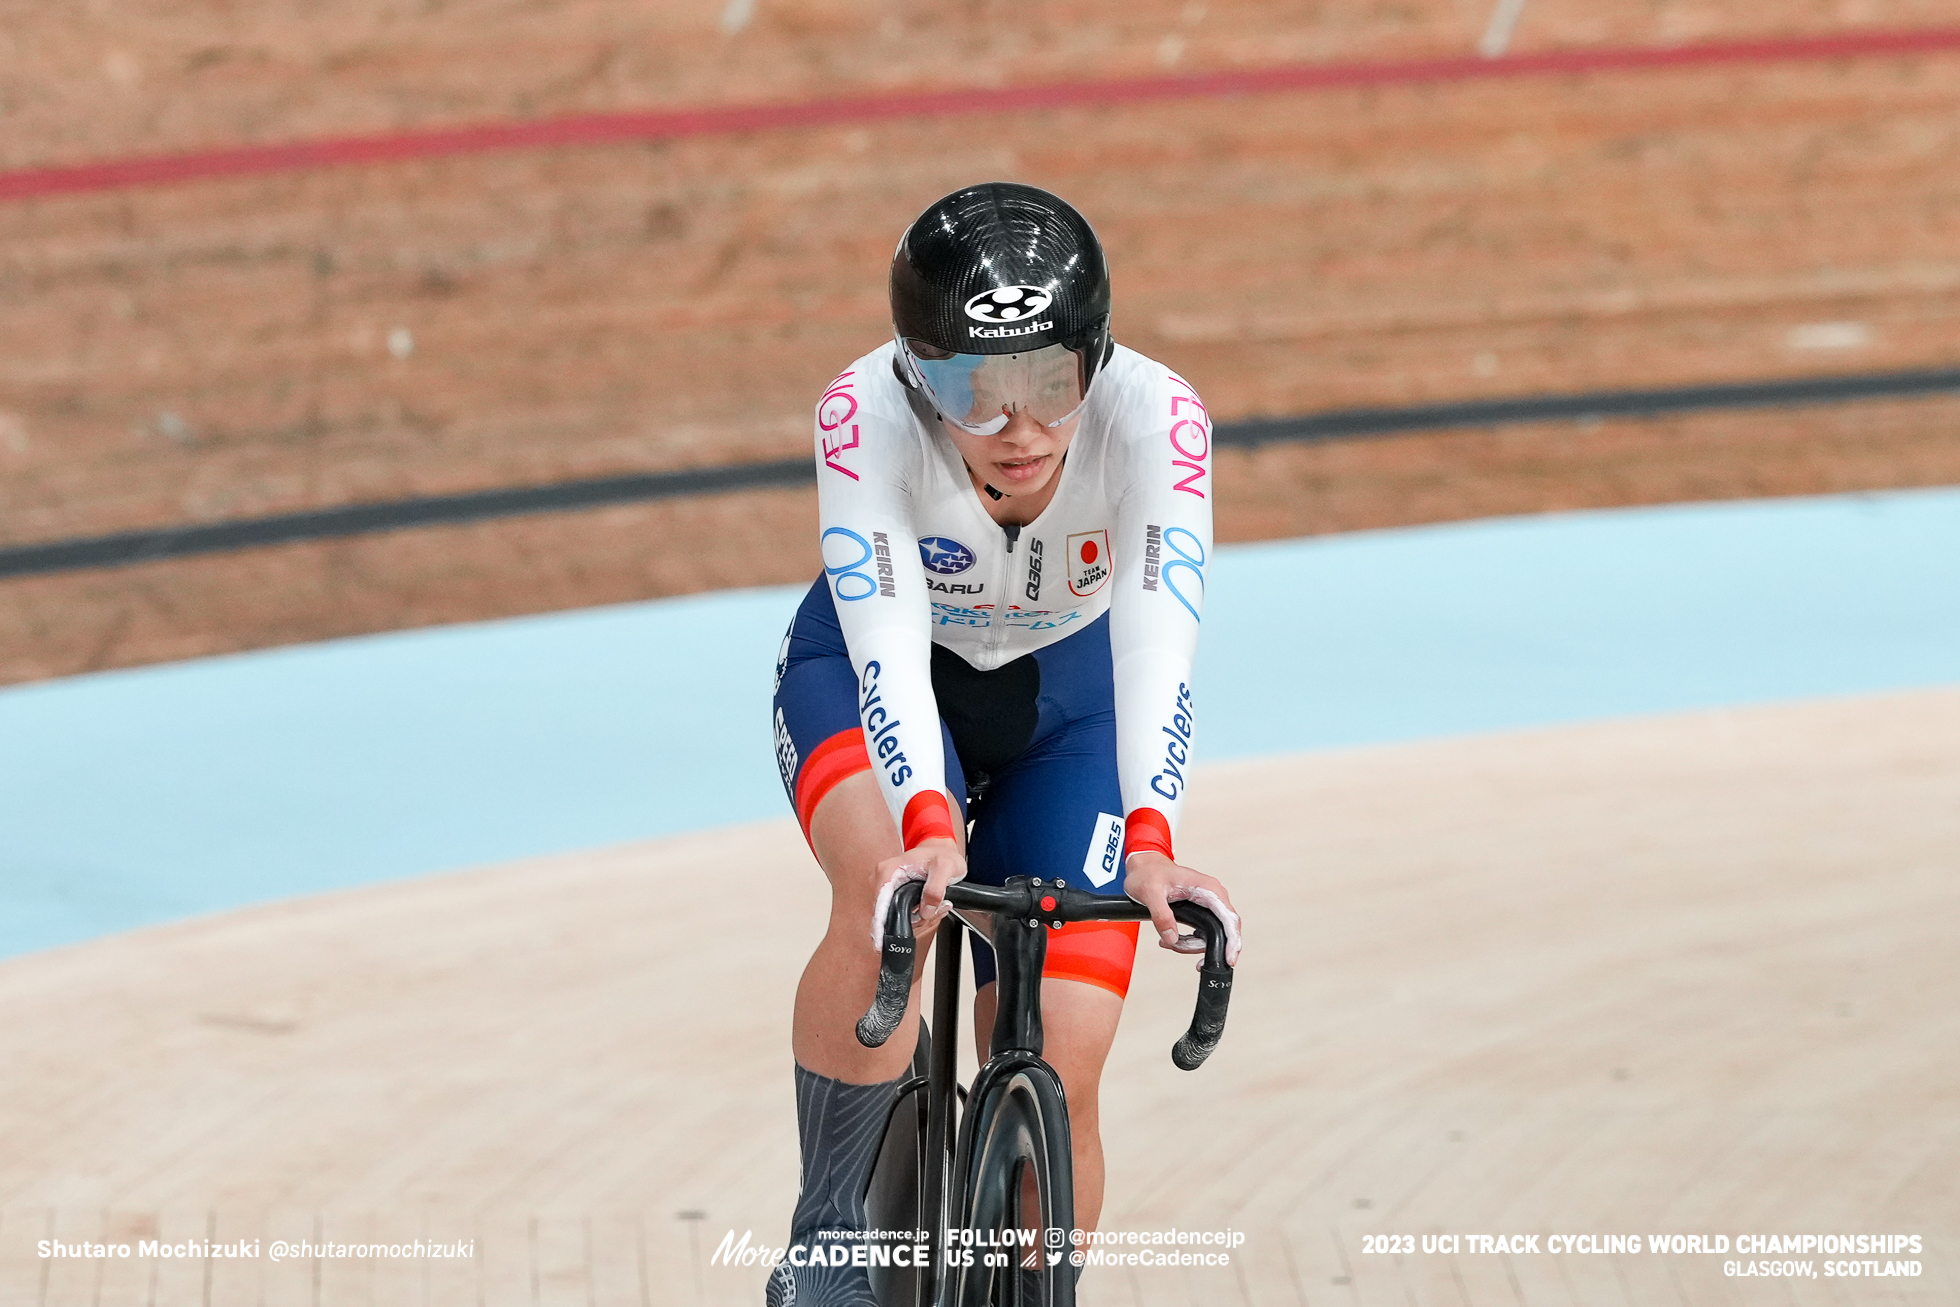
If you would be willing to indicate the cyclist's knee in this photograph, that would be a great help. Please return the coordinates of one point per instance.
(1078, 1026)
(1080, 1021)
(850, 830)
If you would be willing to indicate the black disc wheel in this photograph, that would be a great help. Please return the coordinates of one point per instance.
(1019, 1196)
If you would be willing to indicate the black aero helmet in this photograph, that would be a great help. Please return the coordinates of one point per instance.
(1000, 302)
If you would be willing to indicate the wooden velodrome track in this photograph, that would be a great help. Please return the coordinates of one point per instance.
(1691, 975)
(1681, 975)
(239, 346)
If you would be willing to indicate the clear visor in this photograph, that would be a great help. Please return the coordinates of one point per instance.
(979, 392)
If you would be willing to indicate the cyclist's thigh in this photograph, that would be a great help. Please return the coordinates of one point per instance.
(820, 751)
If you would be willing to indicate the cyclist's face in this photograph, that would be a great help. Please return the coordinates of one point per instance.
(1019, 459)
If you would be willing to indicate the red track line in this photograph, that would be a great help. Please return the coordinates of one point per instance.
(589, 129)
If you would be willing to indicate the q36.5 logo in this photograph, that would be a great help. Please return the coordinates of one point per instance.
(944, 555)
(1008, 303)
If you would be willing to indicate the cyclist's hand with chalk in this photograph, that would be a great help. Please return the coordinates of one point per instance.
(1156, 882)
(938, 862)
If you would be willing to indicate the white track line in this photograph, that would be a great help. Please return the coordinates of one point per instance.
(1497, 34)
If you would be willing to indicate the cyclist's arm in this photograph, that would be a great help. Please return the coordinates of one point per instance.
(1162, 552)
(866, 464)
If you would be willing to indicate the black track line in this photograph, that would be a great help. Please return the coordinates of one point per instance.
(129, 547)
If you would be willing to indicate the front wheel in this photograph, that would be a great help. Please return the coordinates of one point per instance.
(1018, 1201)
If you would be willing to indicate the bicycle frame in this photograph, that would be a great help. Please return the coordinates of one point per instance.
(1023, 911)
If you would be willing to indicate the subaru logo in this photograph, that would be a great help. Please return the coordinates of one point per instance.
(944, 555)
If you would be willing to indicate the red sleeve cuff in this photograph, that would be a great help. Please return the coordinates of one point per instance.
(1147, 829)
(927, 817)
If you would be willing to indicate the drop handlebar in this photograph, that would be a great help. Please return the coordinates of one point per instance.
(1047, 905)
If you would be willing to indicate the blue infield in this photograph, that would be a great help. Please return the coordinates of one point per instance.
(134, 797)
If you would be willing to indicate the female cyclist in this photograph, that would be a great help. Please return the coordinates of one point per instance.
(1016, 517)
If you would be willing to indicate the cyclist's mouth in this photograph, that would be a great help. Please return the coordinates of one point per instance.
(1020, 471)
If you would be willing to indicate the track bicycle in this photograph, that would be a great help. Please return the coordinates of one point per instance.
(1002, 1181)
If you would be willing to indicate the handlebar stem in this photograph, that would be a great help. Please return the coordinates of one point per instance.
(1020, 950)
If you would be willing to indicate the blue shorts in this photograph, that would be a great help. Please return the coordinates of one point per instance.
(1030, 757)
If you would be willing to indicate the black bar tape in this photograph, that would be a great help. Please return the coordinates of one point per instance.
(1208, 1022)
(1214, 988)
(894, 969)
